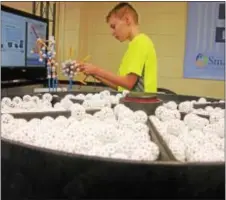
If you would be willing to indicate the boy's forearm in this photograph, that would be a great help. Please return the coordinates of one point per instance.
(113, 79)
(108, 83)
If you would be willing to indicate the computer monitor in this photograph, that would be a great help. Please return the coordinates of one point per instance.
(19, 32)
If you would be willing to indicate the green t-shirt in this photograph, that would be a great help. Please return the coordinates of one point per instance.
(140, 59)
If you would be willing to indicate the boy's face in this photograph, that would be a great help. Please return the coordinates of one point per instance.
(119, 27)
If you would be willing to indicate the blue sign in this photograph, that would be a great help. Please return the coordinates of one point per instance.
(205, 41)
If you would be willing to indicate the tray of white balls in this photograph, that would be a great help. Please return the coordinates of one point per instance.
(41, 105)
(28, 103)
(201, 108)
(109, 134)
(192, 139)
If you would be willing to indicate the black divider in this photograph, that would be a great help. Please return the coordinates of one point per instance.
(214, 105)
(39, 115)
(183, 114)
(161, 141)
(53, 114)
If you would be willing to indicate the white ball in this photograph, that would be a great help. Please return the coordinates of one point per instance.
(202, 100)
(216, 116)
(176, 127)
(17, 100)
(35, 99)
(26, 98)
(78, 112)
(185, 107)
(209, 109)
(140, 117)
(170, 105)
(6, 101)
(6, 118)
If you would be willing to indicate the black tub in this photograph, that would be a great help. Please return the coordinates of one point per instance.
(29, 172)
(47, 171)
(41, 173)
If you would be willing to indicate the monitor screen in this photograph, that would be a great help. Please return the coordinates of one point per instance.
(12, 40)
(19, 33)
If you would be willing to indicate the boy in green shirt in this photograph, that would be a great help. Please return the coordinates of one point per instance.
(138, 69)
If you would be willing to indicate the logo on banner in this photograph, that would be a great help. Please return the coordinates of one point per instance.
(201, 60)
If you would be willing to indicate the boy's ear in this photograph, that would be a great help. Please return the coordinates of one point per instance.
(128, 19)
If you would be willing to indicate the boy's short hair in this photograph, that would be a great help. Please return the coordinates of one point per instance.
(121, 9)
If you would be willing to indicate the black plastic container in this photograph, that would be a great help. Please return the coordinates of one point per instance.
(54, 174)
(31, 173)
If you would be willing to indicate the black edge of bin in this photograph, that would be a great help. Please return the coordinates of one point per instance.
(182, 98)
(214, 105)
(161, 141)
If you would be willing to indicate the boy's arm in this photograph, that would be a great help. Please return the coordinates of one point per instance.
(106, 82)
(127, 81)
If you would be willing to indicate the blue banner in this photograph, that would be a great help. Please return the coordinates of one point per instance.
(205, 41)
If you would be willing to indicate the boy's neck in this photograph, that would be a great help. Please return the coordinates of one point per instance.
(134, 32)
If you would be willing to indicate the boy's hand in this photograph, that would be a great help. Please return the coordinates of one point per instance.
(88, 69)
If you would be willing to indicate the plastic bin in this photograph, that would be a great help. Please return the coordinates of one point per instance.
(54, 174)
(48, 174)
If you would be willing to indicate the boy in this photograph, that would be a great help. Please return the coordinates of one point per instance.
(138, 69)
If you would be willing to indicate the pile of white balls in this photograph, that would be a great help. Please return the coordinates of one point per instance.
(114, 133)
(94, 101)
(28, 104)
(193, 139)
(36, 104)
